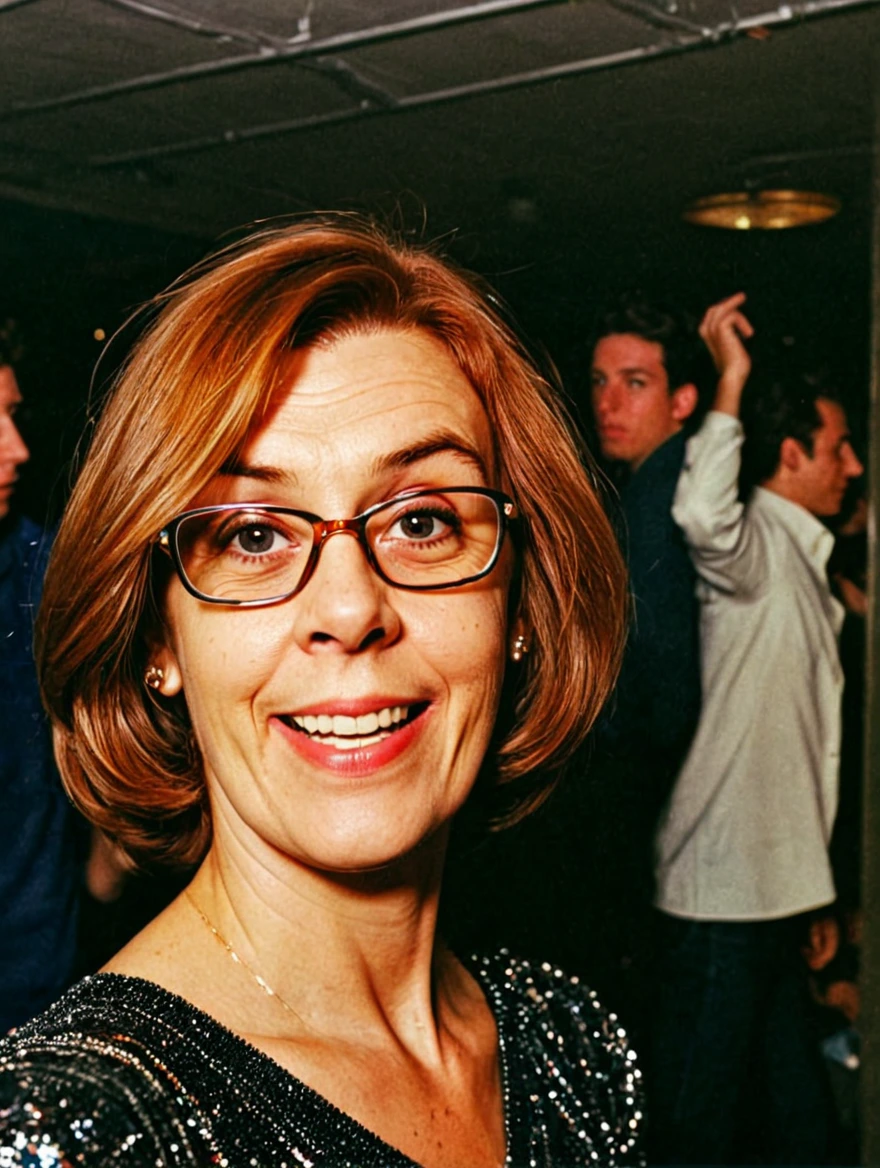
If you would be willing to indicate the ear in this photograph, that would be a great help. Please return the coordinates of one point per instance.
(165, 659)
(684, 401)
(791, 454)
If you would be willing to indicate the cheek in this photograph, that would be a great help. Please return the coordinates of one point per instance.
(655, 416)
(224, 657)
(466, 643)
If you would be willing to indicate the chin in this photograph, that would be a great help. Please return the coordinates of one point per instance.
(373, 844)
(828, 510)
(612, 453)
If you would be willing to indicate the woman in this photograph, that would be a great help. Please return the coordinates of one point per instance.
(302, 716)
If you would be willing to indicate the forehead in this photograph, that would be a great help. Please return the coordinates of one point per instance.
(833, 419)
(356, 398)
(628, 351)
(9, 391)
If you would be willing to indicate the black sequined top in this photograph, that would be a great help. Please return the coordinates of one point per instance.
(121, 1072)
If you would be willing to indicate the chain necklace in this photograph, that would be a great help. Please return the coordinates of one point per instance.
(261, 982)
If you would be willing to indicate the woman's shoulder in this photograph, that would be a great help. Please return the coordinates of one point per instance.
(571, 1053)
(80, 1084)
(556, 1007)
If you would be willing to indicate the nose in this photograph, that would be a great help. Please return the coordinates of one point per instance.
(853, 467)
(13, 451)
(344, 607)
(606, 399)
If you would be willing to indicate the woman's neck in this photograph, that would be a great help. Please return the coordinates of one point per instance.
(375, 1015)
(347, 952)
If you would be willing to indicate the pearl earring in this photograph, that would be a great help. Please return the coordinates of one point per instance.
(520, 648)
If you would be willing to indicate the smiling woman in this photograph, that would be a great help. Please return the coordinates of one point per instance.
(299, 717)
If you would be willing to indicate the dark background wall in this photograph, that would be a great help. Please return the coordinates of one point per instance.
(66, 275)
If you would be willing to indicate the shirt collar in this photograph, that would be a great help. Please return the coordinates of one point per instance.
(810, 533)
(669, 453)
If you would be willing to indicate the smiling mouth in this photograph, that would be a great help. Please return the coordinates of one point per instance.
(348, 733)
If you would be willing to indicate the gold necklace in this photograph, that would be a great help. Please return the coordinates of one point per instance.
(261, 981)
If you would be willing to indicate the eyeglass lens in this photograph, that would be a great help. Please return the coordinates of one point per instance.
(252, 554)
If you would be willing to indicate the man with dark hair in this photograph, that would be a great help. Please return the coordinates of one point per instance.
(38, 861)
(742, 849)
(776, 406)
(646, 365)
(645, 368)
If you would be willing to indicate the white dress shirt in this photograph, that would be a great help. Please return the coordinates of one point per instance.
(745, 835)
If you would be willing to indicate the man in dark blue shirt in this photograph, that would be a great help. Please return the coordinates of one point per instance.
(646, 364)
(573, 882)
(39, 870)
(645, 367)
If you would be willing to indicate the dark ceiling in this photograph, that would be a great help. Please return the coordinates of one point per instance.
(198, 116)
(552, 143)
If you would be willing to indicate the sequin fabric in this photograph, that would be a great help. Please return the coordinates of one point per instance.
(120, 1072)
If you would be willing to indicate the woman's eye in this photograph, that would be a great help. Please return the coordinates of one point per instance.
(419, 525)
(256, 539)
(422, 525)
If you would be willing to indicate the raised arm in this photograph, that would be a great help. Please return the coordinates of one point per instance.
(726, 551)
(723, 329)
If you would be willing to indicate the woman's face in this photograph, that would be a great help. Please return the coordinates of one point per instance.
(359, 421)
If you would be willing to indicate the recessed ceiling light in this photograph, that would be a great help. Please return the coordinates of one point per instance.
(762, 210)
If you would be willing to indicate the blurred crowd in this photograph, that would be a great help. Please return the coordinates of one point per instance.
(701, 867)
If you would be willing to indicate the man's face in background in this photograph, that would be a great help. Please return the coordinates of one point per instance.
(821, 477)
(13, 451)
(634, 407)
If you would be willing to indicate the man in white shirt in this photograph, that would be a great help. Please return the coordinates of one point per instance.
(742, 848)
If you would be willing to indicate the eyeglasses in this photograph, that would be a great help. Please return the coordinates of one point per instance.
(421, 540)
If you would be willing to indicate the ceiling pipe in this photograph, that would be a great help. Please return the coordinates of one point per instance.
(785, 14)
(194, 25)
(292, 51)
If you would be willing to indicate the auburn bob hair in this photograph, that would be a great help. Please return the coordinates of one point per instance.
(197, 384)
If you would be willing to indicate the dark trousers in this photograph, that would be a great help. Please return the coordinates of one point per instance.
(733, 1037)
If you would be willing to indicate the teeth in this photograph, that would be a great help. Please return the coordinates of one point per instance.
(341, 730)
(355, 743)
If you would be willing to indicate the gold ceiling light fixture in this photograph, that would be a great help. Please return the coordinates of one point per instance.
(762, 210)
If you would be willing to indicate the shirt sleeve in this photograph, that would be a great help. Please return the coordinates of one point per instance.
(65, 1103)
(728, 551)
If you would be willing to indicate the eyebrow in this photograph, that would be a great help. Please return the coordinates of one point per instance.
(263, 474)
(437, 442)
(628, 370)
